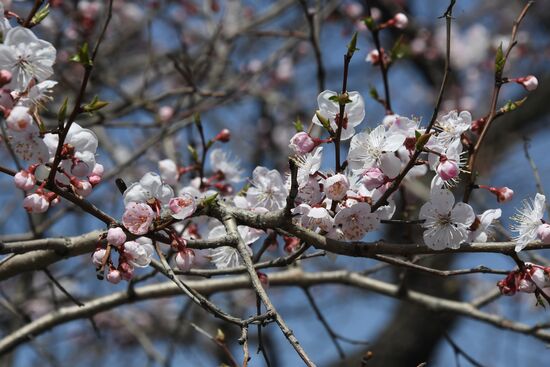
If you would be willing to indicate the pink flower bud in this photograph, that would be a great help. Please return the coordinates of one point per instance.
(529, 82)
(82, 187)
(36, 203)
(166, 113)
(126, 271)
(543, 233)
(94, 179)
(291, 244)
(373, 57)
(447, 169)
(224, 136)
(302, 143)
(5, 77)
(24, 180)
(182, 206)
(373, 178)
(185, 259)
(97, 257)
(504, 194)
(6, 102)
(114, 276)
(19, 119)
(116, 236)
(336, 187)
(526, 286)
(400, 20)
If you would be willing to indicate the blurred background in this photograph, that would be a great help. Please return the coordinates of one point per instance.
(255, 67)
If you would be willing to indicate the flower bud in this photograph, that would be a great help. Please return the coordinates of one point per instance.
(447, 169)
(114, 276)
(79, 168)
(503, 194)
(373, 178)
(97, 257)
(224, 136)
(543, 233)
(291, 244)
(185, 259)
(302, 143)
(264, 279)
(82, 187)
(126, 271)
(165, 113)
(336, 187)
(36, 203)
(24, 180)
(116, 236)
(98, 170)
(400, 20)
(529, 82)
(373, 57)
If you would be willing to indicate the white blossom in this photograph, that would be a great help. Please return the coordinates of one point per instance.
(483, 230)
(367, 148)
(26, 57)
(527, 221)
(222, 162)
(268, 189)
(148, 190)
(446, 226)
(354, 111)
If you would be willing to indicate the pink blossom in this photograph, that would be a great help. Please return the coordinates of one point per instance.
(182, 206)
(373, 178)
(116, 236)
(114, 276)
(543, 233)
(126, 270)
(138, 217)
(185, 259)
(302, 143)
(97, 257)
(36, 203)
(5, 77)
(24, 180)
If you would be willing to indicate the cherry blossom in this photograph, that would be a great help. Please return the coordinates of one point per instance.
(354, 112)
(114, 276)
(543, 233)
(137, 217)
(26, 57)
(98, 255)
(182, 206)
(302, 143)
(527, 221)
(24, 180)
(453, 124)
(446, 226)
(480, 229)
(268, 189)
(150, 189)
(225, 257)
(354, 222)
(19, 119)
(222, 163)
(138, 252)
(116, 236)
(367, 148)
(336, 186)
(308, 165)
